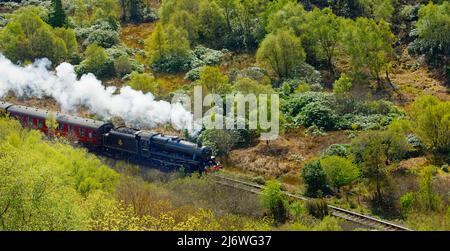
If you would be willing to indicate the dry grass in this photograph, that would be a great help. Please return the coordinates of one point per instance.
(415, 78)
(284, 156)
(133, 35)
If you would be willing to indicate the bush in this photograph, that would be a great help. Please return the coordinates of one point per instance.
(315, 179)
(340, 171)
(317, 208)
(317, 114)
(220, 141)
(272, 200)
(433, 31)
(97, 62)
(122, 66)
(104, 38)
(341, 150)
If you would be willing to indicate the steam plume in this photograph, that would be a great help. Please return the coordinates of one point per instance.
(135, 107)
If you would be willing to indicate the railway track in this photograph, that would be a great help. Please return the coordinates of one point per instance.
(347, 215)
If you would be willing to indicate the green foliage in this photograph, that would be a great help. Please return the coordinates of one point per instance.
(321, 32)
(369, 46)
(406, 203)
(272, 200)
(27, 37)
(168, 49)
(250, 86)
(188, 22)
(428, 199)
(315, 179)
(317, 208)
(317, 114)
(341, 150)
(339, 171)
(220, 141)
(281, 52)
(96, 61)
(433, 31)
(57, 17)
(104, 38)
(377, 9)
(45, 190)
(288, 14)
(343, 84)
(374, 151)
(431, 118)
(213, 81)
(122, 66)
(329, 223)
(136, 11)
(211, 23)
(144, 82)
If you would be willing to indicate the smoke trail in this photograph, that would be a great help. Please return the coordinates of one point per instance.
(135, 107)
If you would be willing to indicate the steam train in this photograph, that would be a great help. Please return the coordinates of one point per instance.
(152, 148)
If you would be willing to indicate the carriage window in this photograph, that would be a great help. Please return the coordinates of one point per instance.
(90, 135)
(81, 132)
(30, 121)
(70, 128)
(60, 127)
(40, 123)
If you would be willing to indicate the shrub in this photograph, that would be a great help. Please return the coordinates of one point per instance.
(221, 141)
(317, 114)
(317, 208)
(144, 82)
(122, 66)
(272, 200)
(97, 62)
(315, 179)
(104, 38)
(341, 150)
(340, 171)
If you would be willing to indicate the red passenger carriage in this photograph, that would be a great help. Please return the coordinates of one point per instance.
(86, 131)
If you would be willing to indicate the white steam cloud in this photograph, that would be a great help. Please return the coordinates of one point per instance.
(135, 107)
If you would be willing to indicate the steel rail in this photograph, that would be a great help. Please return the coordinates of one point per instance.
(335, 211)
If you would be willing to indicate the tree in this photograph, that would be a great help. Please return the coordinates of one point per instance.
(281, 52)
(340, 171)
(213, 81)
(42, 193)
(322, 29)
(27, 37)
(144, 82)
(246, 85)
(287, 14)
(57, 17)
(51, 123)
(45, 44)
(377, 9)
(433, 30)
(220, 141)
(211, 23)
(369, 46)
(343, 84)
(69, 38)
(122, 66)
(315, 179)
(431, 118)
(168, 49)
(375, 151)
(96, 61)
(428, 198)
(272, 200)
(186, 21)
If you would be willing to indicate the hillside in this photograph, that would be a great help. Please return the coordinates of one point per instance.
(363, 116)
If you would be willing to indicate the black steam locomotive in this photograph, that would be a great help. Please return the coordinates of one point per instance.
(125, 143)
